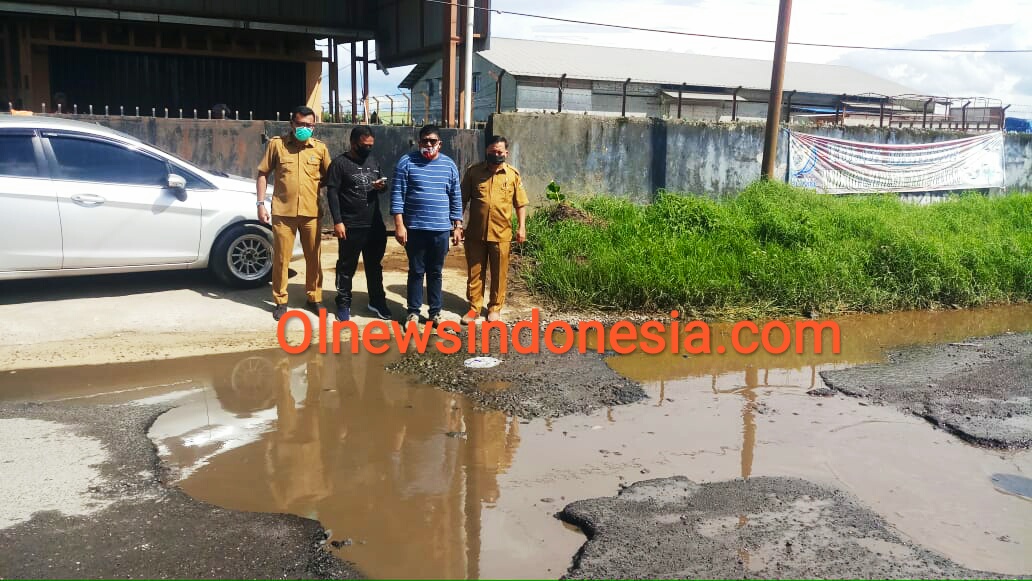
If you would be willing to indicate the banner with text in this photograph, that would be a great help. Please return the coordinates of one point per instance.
(837, 166)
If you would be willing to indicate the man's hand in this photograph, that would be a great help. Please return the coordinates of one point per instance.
(400, 234)
(521, 235)
(456, 236)
(261, 185)
(340, 232)
(380, 184)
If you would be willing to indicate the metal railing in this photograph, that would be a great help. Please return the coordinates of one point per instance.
(899, 111)
(387, 110)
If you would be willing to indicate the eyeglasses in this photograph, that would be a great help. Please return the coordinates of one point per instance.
(428, 141)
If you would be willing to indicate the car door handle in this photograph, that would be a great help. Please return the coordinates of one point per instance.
(88, 199)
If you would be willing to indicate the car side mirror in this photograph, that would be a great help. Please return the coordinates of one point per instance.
(177, 184)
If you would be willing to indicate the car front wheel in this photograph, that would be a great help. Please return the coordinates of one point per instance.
(242, 256)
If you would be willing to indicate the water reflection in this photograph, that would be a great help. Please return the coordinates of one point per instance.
(865, 339)
(424, 486)
(399, 474)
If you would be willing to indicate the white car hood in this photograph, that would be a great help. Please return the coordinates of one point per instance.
(235, 184)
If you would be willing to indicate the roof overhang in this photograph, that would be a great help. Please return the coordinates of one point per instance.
(153, 17)
(410, 32)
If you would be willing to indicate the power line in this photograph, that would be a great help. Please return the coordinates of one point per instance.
(738, 38)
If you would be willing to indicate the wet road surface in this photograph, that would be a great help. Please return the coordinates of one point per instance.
(414, 482)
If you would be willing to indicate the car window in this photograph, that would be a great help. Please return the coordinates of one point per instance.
(96, 161)
(17, 157)
(193, 181)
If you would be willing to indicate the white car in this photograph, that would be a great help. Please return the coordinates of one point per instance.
(78, 198)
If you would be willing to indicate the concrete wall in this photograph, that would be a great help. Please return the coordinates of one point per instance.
(633, 158)
(1017, 158)
(630, 158)
(236, 147)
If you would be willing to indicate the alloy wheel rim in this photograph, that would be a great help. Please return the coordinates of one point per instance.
(250, 257)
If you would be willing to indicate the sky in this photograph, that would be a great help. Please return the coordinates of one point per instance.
(970, 24)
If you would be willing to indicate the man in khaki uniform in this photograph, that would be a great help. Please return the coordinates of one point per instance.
(491, 189)
(300, 163)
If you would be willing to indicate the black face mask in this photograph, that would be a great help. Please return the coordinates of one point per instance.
(496, 158)
(363, 151)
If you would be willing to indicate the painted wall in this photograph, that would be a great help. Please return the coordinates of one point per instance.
(236, 147)
(634, 157)
(630, 158)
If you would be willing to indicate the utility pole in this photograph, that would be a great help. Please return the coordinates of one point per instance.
(365, 81)
(467, 69)
(777, 81)
(354, 82)
(450, 41)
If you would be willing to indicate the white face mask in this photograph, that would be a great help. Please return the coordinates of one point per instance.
(429, 151)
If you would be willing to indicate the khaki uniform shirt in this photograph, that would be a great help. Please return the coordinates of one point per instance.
(299, 168)
(491, 195)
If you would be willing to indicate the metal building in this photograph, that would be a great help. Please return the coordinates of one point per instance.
(526, 75)
(255, 58)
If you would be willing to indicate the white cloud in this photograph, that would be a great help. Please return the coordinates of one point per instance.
(1006, 77)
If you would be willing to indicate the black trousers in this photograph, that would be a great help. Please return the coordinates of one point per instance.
(371, 243)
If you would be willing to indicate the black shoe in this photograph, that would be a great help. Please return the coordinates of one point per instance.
(343, 313)
(279, 311)
(381, 311)
(313, 307)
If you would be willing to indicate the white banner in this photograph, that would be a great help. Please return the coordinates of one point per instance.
(837, 166)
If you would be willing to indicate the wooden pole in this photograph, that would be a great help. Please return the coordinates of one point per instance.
(777, 81)
(451, 40)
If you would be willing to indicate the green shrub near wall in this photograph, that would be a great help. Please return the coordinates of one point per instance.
(774, 249)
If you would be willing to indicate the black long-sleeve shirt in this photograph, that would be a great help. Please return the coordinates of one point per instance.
(349, 191)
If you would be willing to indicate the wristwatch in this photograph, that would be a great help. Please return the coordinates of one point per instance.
(261, 202)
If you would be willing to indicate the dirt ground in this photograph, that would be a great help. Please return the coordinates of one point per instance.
(139, 317)
(979, 389)
(121, 520)
(754, 478)
(761, 528)
(528, 385)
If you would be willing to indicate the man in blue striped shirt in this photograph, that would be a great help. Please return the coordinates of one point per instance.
(426, 203)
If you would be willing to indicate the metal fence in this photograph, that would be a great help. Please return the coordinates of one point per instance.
(910, 111)
(382, 110)
(393, 109)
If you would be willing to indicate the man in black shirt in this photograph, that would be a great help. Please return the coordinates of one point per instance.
(353, 185)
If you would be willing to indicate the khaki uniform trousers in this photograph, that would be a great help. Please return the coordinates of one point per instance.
(284, 231)
(483, 256)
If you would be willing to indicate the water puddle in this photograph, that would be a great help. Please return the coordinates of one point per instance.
(1020, 486)
(415, 483)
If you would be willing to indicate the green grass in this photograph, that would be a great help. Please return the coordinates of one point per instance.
(774, 250)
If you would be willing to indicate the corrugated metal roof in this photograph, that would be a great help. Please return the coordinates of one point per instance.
(534, 58)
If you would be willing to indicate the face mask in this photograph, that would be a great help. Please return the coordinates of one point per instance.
(303, 133)
(429, 152)
(496, 158)
(363, 151)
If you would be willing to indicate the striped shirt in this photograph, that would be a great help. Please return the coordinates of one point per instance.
(427, 192)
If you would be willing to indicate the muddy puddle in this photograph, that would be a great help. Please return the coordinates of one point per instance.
(414, 482)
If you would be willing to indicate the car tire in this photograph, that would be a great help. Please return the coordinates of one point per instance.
(242, 256)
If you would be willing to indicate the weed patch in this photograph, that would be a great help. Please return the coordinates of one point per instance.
(776, 250)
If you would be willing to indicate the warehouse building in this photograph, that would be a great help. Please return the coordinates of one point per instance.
(526, 75)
